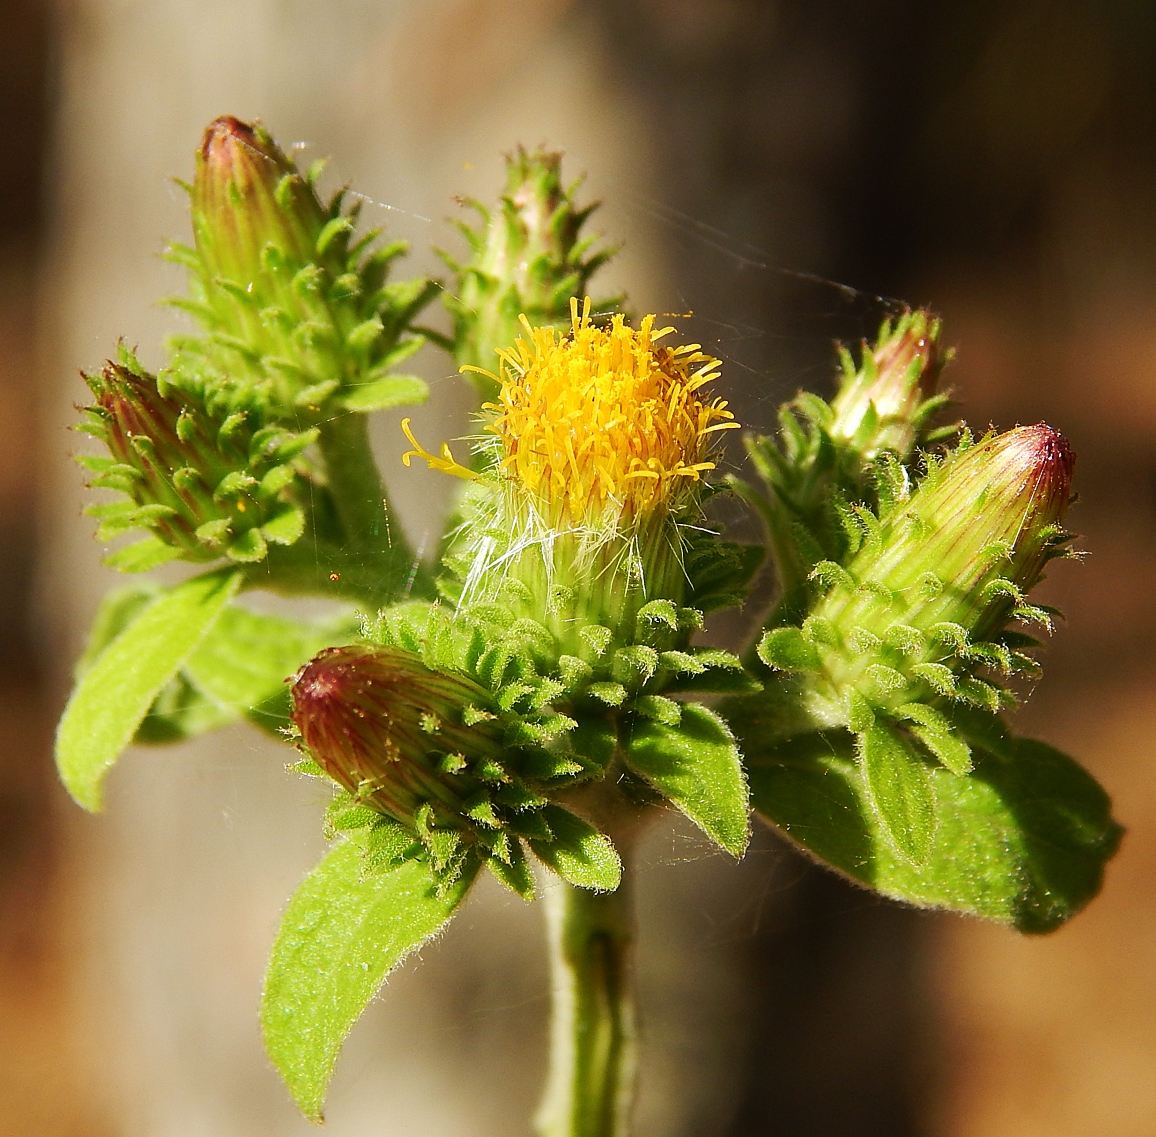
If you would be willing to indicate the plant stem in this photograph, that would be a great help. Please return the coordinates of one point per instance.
(354, 479)
(590, 1084)
(362, 504)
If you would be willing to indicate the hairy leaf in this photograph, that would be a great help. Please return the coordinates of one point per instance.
(578, 853)
(342, 934)
(392, 391)
(899, 786)
(696, 766)
(1022, 840)
(115, 693)
(117, 610)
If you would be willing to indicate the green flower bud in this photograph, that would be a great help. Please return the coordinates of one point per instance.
(923, 602)
(290, 299)
(884, 403)
(828, 455)
(198, 466)
(528, 259)
(437, 758)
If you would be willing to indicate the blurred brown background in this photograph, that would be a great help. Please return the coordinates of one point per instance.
(996, 160)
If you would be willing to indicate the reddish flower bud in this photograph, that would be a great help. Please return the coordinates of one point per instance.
(200, 470)
(395, 734)
(248, 195)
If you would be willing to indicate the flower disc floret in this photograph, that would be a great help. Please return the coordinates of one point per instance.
(605, 419)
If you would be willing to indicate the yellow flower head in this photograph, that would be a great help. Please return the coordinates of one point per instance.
(605, 419)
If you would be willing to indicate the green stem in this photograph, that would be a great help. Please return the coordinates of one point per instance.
(362, 505)
(355, 481)
(590, 1084)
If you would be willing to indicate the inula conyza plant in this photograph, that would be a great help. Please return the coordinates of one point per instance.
(529, 703)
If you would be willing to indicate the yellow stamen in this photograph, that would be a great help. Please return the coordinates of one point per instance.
(445, 463)
(605, 417)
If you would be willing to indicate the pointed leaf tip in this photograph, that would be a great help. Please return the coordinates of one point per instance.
(696, 765)
(342, 934)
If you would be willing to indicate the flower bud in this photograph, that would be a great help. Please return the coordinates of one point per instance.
(427, 749)
(882, 404)
(290, 302)
(381, 724)
(850, 450)
(529, 258)
(922, 603)
(247, 196)
(200, 470)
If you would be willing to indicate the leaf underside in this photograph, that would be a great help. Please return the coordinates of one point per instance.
(341, 935)
(114, 694)
(1023, 840)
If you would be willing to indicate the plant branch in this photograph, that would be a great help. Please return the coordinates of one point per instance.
(590, 1084)
(363, 508)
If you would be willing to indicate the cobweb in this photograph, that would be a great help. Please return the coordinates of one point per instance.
(774, 326)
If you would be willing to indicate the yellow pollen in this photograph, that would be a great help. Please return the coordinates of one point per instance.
(446, 462)
(603, 418)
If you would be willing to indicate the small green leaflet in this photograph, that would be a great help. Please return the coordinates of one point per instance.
(899, 786)
(340, 937)
(115, 693)
(696, 766)
(936, 733)
(382, 394)
(1022, 840)
(578, 853)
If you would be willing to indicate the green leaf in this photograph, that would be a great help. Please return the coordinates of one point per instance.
(249, 547)
(899, 786)
(116, 692)
(382, 394)
(709, 671)
(117, 610)
(787, 649)
(696, 766)
(936, 733)
(578, 852)
(286, 527)
(244, 662)
(517, 875)
(341, 935)
(1023, 840)
(181, 711)
(142, 556)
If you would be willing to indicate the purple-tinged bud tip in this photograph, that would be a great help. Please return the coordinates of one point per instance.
(382, 724)
(1045, 456)
(882, 404)
(247, 194)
